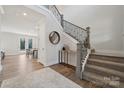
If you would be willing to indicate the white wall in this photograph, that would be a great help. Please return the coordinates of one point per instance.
(51, 49)
(0, 29)
(0, 42)
(123, 27)
(11, 42)
(41, 42)
(105, 22)
(69, 41)
(71, 44)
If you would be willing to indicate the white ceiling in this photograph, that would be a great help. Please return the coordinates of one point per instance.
(14, 18)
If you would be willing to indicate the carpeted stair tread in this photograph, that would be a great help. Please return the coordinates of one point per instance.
(100, 80)
(106, 70)
(107, 57)
(106, 62)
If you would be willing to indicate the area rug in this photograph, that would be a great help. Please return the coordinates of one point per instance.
(44, 78)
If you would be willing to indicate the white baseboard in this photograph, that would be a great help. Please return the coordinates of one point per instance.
(110, 53)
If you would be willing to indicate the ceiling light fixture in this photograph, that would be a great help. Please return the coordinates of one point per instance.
(24, 14)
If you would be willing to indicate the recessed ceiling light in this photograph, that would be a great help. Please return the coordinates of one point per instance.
(24, 14)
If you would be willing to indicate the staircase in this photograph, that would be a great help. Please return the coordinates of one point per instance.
(106, 71)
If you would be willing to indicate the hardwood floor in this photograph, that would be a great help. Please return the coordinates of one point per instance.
(22, 64)
(17, 65)
(69, 72)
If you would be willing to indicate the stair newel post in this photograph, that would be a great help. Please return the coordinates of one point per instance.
(78, 66)
(88, 37)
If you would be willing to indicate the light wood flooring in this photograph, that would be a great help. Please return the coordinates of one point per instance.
(69, 72)
(17, 65)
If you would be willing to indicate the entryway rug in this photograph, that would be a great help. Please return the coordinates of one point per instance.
(44, 78)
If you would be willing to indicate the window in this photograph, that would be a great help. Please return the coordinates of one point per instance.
(22, 43)
(30, 44)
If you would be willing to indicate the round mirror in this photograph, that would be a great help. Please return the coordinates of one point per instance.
(54, 37)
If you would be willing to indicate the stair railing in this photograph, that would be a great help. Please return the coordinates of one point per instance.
(76, 32)
(81, 35)
(56, 13)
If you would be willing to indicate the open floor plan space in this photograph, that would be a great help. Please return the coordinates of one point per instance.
(61, 46)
